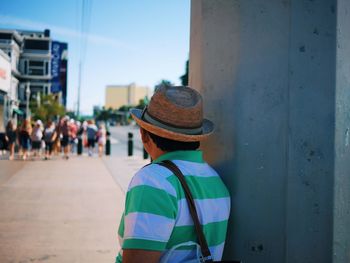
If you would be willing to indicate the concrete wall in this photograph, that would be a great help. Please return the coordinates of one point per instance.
(275, 80)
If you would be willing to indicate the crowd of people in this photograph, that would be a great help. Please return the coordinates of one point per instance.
(35, 139)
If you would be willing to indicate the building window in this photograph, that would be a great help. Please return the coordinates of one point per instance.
(25, 67)
(37, 68)
(46, 68)
(37, 44)
(6, 36)
(35, 90)
(36, 63)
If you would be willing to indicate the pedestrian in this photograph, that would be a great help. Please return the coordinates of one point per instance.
(56, 148)
(11, 137)
(73, 128)
(3, 143)
(83, 132)
(156, 225)
(65, 135)
(91, 132)
(24, 136)
(49, 138)
(101, 139)
(36, 137)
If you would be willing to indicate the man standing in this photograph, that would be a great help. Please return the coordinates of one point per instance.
(91, 132)
(156, 225)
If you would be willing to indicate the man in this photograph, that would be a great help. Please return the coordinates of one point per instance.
(65, 134)
(156, 224)
(91, 132)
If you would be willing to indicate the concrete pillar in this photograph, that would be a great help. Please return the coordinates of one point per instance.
(275, 76)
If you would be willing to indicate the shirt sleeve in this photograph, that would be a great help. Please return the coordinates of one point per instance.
(150, 212)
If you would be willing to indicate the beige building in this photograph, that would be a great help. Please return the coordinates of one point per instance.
(119, 95)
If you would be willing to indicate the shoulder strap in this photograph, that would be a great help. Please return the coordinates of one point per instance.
(201, 238)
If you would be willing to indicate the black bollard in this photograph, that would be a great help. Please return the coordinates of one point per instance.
(130, 144)
(80, 146)
(145, 153)
(108, 144)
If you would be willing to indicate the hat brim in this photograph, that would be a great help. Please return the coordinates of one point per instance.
(207, 129)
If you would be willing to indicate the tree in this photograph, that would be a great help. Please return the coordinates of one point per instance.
(72, 115)
(103, 114)
(48, 109)
(184, 78)
(163, 83)
(142, 103)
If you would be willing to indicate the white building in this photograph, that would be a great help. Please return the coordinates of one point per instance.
(35, 63)
(31, 59)
(5, 87)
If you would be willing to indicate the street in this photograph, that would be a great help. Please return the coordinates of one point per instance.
(119, 152)
(119, 140)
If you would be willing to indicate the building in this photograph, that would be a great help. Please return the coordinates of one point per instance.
(5, 86)
(39, 66)
(120, 95)
(11, 43)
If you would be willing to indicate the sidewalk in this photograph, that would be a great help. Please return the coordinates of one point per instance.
(62, 211)
(123, 168)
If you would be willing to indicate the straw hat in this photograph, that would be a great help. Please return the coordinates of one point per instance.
(176, 113)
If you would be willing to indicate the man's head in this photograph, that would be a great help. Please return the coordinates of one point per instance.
(173, 120)
(168, 145)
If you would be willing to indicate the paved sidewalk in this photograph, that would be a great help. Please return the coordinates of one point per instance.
(122, 169)
(61, 211)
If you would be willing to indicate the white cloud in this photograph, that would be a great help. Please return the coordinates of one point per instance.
(63, 31)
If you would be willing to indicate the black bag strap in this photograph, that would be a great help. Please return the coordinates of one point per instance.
(201, 238)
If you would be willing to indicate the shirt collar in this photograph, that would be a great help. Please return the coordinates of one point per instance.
(191, 156)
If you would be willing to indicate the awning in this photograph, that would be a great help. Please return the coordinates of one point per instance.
(18, 111)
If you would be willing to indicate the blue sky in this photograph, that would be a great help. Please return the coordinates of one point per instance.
(141, 41)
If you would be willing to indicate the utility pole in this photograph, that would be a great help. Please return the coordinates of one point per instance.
(27, 98)
(79, 88)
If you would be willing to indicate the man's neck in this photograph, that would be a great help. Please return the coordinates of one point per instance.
(156, 153)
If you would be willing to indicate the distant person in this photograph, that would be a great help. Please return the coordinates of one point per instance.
(24, 136)
(65, 135)
(82, 131)
(101, 139)
(91, 132)
(36, 136)
(73, 140)
(56, 149)
(50, 136)
(11, 137)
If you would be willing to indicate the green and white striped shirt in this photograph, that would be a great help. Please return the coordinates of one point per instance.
(156, 215)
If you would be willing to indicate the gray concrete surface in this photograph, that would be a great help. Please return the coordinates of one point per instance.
(123, 168)
(119, 139)
(275, 79)
(62, 211)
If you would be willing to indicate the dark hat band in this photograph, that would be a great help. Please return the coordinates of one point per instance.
(154, 121)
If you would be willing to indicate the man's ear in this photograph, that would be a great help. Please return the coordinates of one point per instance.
(144, 135)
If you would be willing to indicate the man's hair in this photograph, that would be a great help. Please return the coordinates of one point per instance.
(168, 145)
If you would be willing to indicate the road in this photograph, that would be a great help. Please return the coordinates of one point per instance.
(119, 140)
(119, 155)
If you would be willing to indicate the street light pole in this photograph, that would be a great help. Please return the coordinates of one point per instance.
(79, 88)
(27, 97)
(38, 99)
